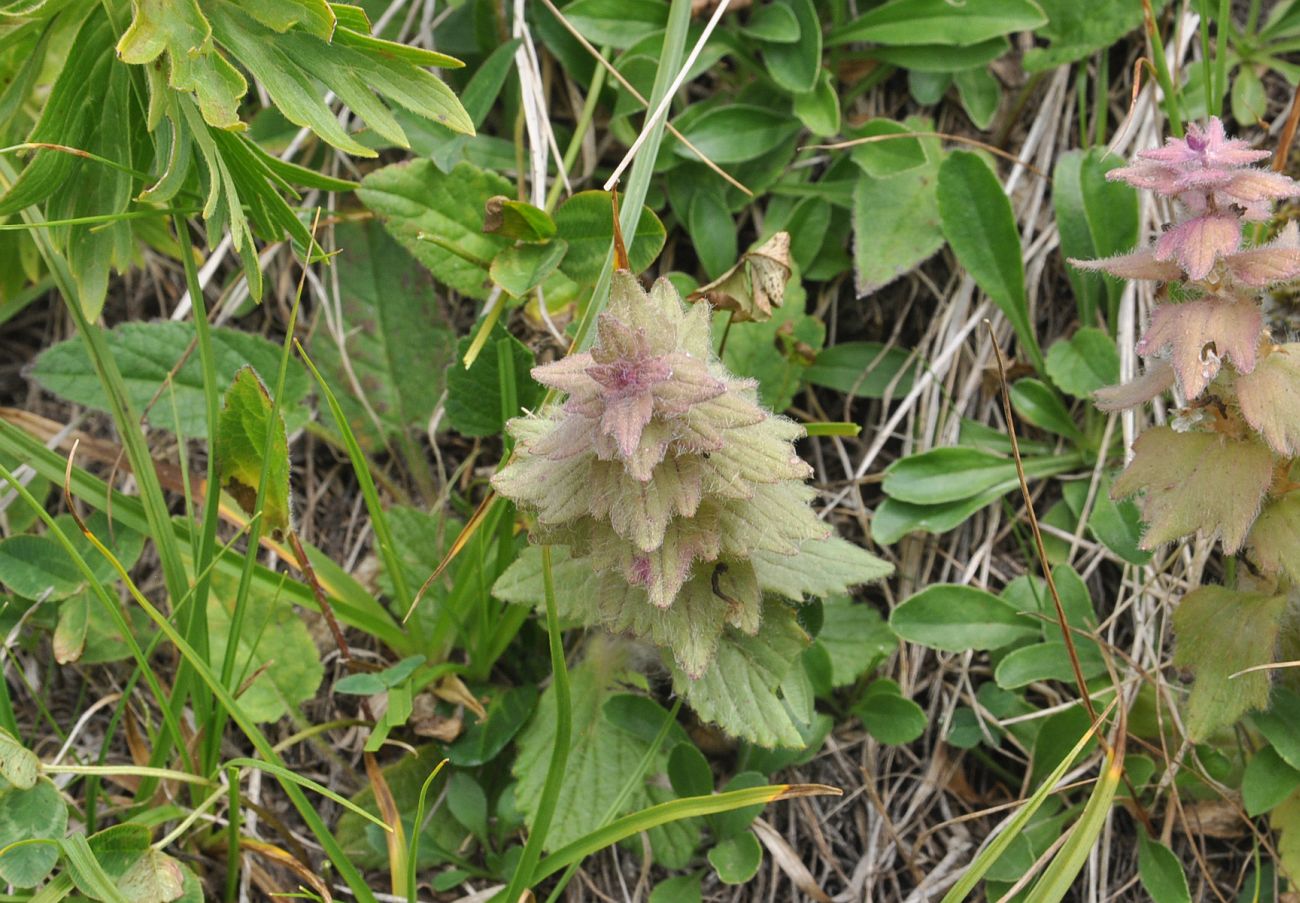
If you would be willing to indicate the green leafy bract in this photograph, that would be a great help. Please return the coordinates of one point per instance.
(251, 440)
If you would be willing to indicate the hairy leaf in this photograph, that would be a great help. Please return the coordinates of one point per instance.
(1269, 397)
(1196, 481)
(248, 432)
(1219, 632)
(1200, 334)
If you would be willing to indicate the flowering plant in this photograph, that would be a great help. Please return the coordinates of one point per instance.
(1226, 466)
(682, 505)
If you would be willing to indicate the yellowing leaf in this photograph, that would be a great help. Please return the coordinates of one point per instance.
(755, 285)
(1270, 398)
(1196, 481)
(153, 878)
(1219, 632)
(242, 439)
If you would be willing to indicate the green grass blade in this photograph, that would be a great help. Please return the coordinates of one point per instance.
(673, 810)
(989, 855)
(523, 876)
(378, 517)
(1069, 859)
(284, 774)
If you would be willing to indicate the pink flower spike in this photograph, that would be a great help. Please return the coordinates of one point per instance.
(1198, 243)
(1138, 265)
(1208, 146)
(1277, 261)
(1201, 334)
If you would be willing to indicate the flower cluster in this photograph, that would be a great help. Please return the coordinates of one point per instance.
(666, 480)
(1241, 428)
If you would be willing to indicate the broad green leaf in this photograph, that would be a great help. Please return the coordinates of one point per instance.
(1083, 363)
(896, 151)
(735, 133)
(586, 222)
(819, 109)
(1278, 724)
(856, 639)
(795, 65)
(246, 435)
(941, 58)
(1249, 98)
(391, 326)
(474, 396)
(147, 352)
(910, 22)
(274, 644)
(37, 567)
(1117, 525)
(1039, 404)
(1218, 632)
(863, 369)
(896, 222)
(1076, 30)
(689, 771)
(18, 765)
(35, 812)
(367, 683)
(739, 689)
(617, 23)
(979, 92)
(737, 859)
(483, 740)
(1174, 471)
(773, 22)
(682, 889)
(712, 232)
(944, 475)
(517, 220)
(1048, 661)
(822, 568)
(438, 217)
(958, 618)
(1285, 821)
(895, 518)
(599, 761)
(522, 268)
(467, 803)
(1160, 872)
(1095, 218)
(890, 717)
(1267, 781)
(928, 88)
(981, 228)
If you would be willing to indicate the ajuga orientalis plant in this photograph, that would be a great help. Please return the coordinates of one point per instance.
(679, 510)
(1226, 465)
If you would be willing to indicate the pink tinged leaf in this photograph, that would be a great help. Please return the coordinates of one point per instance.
(1269, 397)
(1277, 261)
(1196, 482)
(1200, 334)
(1203, 180)
(689, 384)
(652, 448)
(568, 374)
(1138, 265)
(1251, 185)
(1147, 176)
(1158, 378)
(1275, 538)
(1197, 243)
(625, 418)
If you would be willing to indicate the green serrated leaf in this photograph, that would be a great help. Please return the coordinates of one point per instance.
(856, 639)
(1218, 632)
(391, 326)
(147, 352)
(822, 568)
(474, 395)
(246, 433)
(438, 217)
(739, 689)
